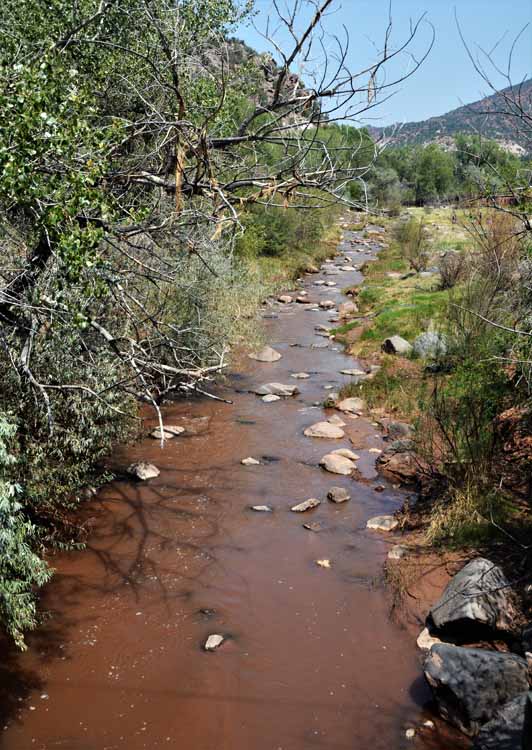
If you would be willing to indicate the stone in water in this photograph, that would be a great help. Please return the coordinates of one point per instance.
(306, 505)
(213, 641)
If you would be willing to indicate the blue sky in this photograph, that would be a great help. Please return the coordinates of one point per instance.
(447, 79)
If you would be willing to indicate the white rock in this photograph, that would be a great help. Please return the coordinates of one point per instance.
(327, 304)
(337, 420)
(425, 641)
(330, 283)
(249, 461)
(410, 734)
(269, 398)
(346, 453)
(213, 641)
(312, 502)
(143, 470)
(285, 299)
(347, 268)
(382, 523)
(324, 430)
(323, 563)
(267, 354)
(354, 405)
(262, 508)
(337, 464)
(300, 375)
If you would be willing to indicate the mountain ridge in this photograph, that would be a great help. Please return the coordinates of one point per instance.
(483, 116)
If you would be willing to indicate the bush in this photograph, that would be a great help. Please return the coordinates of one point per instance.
(413, 238)
(21, 567)
(452, 269)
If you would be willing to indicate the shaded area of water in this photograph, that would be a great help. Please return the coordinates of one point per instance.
(311, 659)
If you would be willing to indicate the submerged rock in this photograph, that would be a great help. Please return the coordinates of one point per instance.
(476, 599)
(267, 355)
(169, 432)
(470, 684)
(397, 552)
(300, 375)
(324, 430)
(143, 471)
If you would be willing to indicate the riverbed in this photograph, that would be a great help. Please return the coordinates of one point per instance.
(311, 657)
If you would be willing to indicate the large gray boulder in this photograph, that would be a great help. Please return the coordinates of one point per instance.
(506, 729)
(470, 684)
(527, 730)
(430, 345)
(397, 345)
(476, 600)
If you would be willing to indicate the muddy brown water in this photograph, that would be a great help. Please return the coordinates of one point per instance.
(312, 659)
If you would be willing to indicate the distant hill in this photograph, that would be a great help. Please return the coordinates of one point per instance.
(482, 117)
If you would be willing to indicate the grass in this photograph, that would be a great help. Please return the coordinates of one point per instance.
(397, 388)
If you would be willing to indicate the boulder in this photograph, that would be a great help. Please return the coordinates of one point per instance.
(430, 345)
(302, 299)
(311, 268)
(398, 430)
(470, 684)
(396, 345)
(475, 600)
(505, 731)
(143, 471)
(527, 731)
(324, 430)
(352, 405)
(277, 389)
(285, 299)
(337, 464)
(337, 420)
(327, 304)
(405, 466)
(267, 354)
(382, 523)
(338, 495)
(526, 639)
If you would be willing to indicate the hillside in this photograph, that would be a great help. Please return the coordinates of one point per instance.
(482, 116)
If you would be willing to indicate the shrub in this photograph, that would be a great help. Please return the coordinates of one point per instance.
(413, 237)
(21, 567)
(452, 269)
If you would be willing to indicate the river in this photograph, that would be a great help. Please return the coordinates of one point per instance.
(311, 659)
